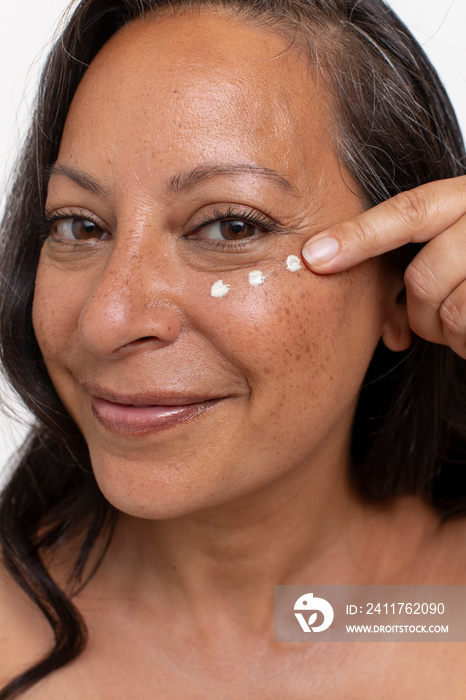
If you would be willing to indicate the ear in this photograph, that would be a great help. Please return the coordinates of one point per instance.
(396, 333)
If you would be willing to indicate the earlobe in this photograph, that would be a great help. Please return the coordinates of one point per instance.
(396, 332)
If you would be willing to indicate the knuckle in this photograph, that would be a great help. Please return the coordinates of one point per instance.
(420, 282)
(451, 317)
(363, 232)
(411, 205)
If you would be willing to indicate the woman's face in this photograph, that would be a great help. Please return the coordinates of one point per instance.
(198, 149)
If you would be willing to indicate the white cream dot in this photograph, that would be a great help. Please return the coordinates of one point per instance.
(293, 263)
(219, 289)
(256, 278)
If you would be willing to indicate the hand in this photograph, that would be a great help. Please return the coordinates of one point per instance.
(436, 278)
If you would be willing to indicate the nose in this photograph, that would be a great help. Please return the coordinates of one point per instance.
(131, 304)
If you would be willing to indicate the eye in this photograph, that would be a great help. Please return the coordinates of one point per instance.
(77, 230)
(231, 230)
(228, 230)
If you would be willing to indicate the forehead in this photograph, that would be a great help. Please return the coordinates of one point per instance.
(200, 87)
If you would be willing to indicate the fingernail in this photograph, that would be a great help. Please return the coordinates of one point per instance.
(321, 251)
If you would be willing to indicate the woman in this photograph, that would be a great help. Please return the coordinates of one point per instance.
(202, 434)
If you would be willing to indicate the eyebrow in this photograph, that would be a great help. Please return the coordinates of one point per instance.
(185, 181)
(182, 181)
(82, 179)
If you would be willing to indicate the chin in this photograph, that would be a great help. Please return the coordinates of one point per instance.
(153, 491)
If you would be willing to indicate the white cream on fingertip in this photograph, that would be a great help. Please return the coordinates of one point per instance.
(256, 278)
(293, 263)
(219, 289)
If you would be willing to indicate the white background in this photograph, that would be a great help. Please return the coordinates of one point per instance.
(26, 27)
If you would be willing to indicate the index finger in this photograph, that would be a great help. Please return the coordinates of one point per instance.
(414, 216)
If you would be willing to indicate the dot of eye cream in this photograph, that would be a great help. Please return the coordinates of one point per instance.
(256, 278)
(293, 263)
(219, 289)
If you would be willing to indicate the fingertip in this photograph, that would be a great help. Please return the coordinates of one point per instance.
(319, 252)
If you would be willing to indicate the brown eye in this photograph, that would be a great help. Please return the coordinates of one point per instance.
(227, 230)
(78, 229)
(236, 230)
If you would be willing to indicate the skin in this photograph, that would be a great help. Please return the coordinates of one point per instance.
(254, 491)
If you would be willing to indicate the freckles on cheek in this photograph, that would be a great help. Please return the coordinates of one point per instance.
(282, 327)
(303, 343)
(55, 311)
(306, 347)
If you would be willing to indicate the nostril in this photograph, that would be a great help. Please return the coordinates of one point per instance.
(145, 341)
(141, 342)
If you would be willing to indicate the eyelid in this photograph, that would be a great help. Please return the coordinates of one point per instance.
(237, 212)
(63, 214)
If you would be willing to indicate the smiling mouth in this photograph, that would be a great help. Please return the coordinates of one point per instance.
(124, 417)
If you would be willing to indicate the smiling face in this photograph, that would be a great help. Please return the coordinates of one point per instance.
(196, 153)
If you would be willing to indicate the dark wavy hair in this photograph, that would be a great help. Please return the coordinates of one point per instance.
(394, 129)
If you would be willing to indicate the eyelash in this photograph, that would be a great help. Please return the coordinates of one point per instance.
(253, 217)
(46, 222)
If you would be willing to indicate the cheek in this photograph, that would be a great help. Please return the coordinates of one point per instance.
(55, 312)
(302, 340)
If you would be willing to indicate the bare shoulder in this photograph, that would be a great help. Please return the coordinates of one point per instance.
(25, 635)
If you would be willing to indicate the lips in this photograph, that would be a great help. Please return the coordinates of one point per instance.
(147, 413)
